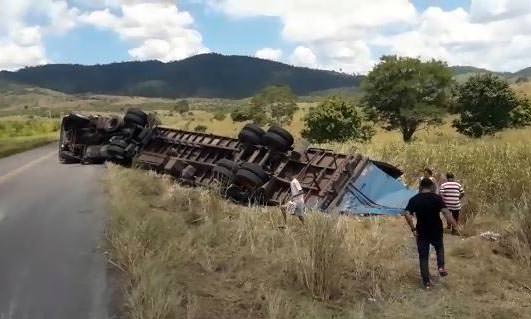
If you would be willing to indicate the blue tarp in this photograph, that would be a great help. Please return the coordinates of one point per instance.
(375, 193)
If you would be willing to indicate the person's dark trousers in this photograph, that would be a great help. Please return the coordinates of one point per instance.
(423, 246)
(455, 215)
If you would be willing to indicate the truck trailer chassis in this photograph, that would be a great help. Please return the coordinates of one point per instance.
(255, 168)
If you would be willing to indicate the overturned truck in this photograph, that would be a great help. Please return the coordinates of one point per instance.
(257, 167)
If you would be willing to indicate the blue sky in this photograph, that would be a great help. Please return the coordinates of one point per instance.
(346, 35)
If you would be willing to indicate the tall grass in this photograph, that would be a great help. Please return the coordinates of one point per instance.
(188, 253)
(14, 127)
(18, 134)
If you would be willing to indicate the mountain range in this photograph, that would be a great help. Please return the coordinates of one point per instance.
(205, 75)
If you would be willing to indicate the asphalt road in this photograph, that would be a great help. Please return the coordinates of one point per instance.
(51, 228)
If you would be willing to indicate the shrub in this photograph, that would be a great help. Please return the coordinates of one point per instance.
(274, 104)
(486, 105)
(241, 114)
(200, 128)
(219, 116)
(182, 107)
(336, 120)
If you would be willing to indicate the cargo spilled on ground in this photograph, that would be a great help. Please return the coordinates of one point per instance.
(188, 253)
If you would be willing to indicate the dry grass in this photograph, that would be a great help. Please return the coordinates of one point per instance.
(188, 254)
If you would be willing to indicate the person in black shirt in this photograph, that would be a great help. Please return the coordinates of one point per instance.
(426, 206)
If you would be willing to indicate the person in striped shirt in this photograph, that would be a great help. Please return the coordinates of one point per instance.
(452, 192)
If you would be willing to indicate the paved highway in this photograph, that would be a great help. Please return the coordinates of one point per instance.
(52, 219)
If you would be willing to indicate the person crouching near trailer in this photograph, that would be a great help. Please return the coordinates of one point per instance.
(296, 205)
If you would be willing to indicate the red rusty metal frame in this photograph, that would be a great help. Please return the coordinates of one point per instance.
(322, 173)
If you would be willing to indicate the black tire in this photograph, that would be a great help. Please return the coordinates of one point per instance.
(248, 179)
(119, 142)
(92, 155)
(256, 170)
(223, 174)
(283, 133)
(133, 119)
(228, 164)
(249, 137)
(113, 152)
(254, 128)
(139, 113)
(276, 142)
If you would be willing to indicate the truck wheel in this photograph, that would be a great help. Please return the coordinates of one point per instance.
(282, 132)
(113, 152)
(276, 142)
(139, 113)
(133, 119)
(119, 142)
(249, 137)
(223, 175)
(251, 176)
(247, 179)
(256, 170)
(228, 164)
(254, 128)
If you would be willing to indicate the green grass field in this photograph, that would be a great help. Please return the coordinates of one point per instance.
(21, 133)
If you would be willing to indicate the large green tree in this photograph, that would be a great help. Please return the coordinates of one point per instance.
(406, 93)
(336, 120)
(486, 104)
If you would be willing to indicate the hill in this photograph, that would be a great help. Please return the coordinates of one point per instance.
(205, 75)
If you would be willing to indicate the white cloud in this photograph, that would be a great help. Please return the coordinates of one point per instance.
(457, 38)
(351, 34)
(488, 10)
(157, 29)
(335, 33)
(269, 54)
(303, 56)
(21, 39)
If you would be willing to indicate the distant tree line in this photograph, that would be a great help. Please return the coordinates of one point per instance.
(408, 94)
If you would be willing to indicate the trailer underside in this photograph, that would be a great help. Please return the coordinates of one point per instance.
(256, 168)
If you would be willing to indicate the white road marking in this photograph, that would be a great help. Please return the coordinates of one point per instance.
(25, 167)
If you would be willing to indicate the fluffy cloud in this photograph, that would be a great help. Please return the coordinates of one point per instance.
(318, 26)
(489, 10)
(20, 40)
(303, 56)
(269, 54)
(455, 36)
(158, 29)
(155, 28)
(351, 34)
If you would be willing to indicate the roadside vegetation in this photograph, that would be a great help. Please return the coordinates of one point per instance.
(188, 253)
(18, 134)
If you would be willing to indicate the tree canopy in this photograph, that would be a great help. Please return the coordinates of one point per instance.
(273, 105)
(336, 120)
(406, 93)
(486, 104)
